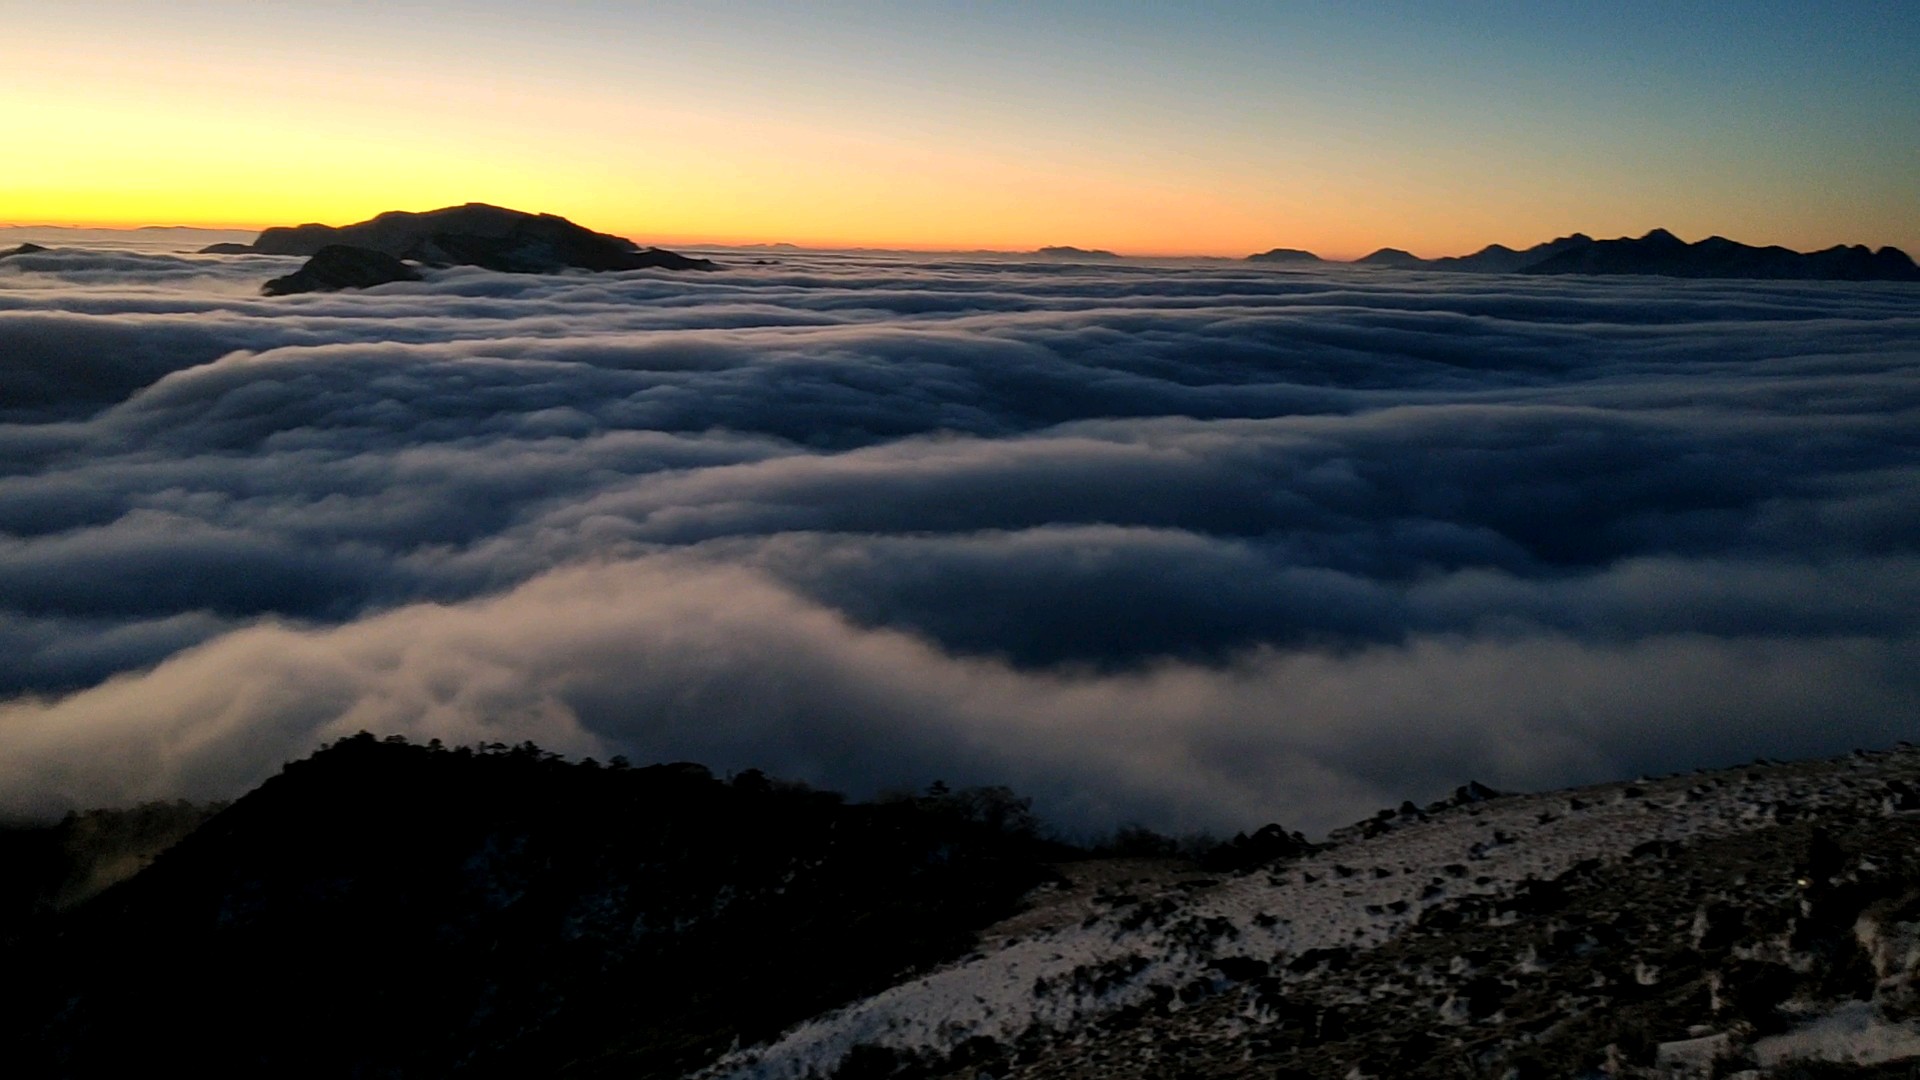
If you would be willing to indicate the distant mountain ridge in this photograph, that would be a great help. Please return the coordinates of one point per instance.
(1662, 254)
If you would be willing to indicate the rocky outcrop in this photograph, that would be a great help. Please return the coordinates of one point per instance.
(1761, 922)
(339, 266)
(477, 234)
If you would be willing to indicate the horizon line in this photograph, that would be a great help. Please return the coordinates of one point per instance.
(700, 240)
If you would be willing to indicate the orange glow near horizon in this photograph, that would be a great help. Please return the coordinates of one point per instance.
(297, 127)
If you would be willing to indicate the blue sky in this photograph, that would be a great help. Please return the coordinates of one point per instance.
(1217, 128)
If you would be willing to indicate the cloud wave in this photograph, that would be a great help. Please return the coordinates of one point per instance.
(1190, 543)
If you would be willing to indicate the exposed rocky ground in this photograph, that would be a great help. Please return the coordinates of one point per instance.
(1762, 921)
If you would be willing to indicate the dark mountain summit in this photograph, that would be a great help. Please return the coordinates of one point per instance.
(23, 249)
(1501, 259)
(1662, 254)
(1071, 253)
(1392, 258)
(477, 234)
(1285, 255)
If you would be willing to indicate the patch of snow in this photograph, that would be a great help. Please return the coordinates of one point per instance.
(1334, 899)
(1854, 1033)
(1691, 1057)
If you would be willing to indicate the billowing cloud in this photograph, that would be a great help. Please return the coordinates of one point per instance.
(1195, 544)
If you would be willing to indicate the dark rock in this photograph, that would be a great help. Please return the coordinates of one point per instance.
(338, 266)
(226, 249)
(1901, 797)
(1240, 968)
(1473, 791)
(1333, 959)
(1270, 843)
(23, 249)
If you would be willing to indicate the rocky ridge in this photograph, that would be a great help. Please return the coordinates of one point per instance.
(1756, 922)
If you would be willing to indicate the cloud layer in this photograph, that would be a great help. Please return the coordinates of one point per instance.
(1195, 544)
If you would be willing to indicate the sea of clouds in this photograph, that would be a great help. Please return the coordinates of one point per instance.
(1198, 545)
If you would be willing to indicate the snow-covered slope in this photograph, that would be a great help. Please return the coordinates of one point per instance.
(1732, 920)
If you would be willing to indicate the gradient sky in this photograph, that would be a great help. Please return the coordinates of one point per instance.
(1223, 128)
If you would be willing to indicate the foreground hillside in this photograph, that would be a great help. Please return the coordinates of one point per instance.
(1762, 920)
(385, 909)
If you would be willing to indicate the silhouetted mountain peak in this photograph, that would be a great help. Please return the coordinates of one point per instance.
(1285, 255)
(1066, 251)
(479, 234)
(1660, 252)
(1390, 257)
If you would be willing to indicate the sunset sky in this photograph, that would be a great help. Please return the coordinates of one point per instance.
(1147, 128)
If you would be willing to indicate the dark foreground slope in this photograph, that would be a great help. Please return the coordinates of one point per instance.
(392, 910)
(384, 909)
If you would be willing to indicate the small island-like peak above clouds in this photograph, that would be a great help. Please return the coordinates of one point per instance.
(1070, 253)
(1286, 255)
(376, 251)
